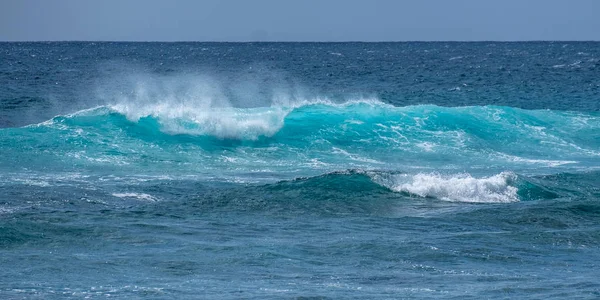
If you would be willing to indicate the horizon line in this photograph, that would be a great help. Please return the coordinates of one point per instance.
(265, 41)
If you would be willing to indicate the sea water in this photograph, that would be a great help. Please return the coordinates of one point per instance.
(299, 170)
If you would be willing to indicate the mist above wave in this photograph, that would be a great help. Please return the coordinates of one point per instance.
(245, 106)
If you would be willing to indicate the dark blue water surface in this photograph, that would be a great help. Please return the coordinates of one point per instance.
(300, 170)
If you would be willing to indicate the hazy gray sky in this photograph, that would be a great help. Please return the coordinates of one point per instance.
(299, 20)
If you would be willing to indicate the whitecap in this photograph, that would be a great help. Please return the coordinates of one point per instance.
(454, 187)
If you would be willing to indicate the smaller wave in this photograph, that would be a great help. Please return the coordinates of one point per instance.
(499, 188)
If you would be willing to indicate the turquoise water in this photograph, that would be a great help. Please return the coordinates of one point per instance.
(299, 170)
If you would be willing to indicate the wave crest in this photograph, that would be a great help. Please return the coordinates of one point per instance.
(498, 188)
(224, 123)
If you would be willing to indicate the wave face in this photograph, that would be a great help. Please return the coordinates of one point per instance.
(465, 154)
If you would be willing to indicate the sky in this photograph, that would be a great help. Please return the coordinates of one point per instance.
(299, 20)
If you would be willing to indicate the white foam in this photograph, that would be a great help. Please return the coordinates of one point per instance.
(546, 162)
(296, 103)
(104, 159)
(140, 196)
(34, 182)
(354, 122)
(6, 210)
(228, 123)
(354, 156)
(456, 187)
(426, 146)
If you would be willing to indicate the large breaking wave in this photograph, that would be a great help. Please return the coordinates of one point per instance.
(462, 154)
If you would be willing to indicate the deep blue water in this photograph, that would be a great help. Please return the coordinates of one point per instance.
(300, 170)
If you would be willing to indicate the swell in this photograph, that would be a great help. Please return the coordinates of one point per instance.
(344, 193)
(503, 187)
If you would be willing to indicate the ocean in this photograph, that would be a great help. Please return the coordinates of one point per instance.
(300, 170)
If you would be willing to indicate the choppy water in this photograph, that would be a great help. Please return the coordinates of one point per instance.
(287, 170)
